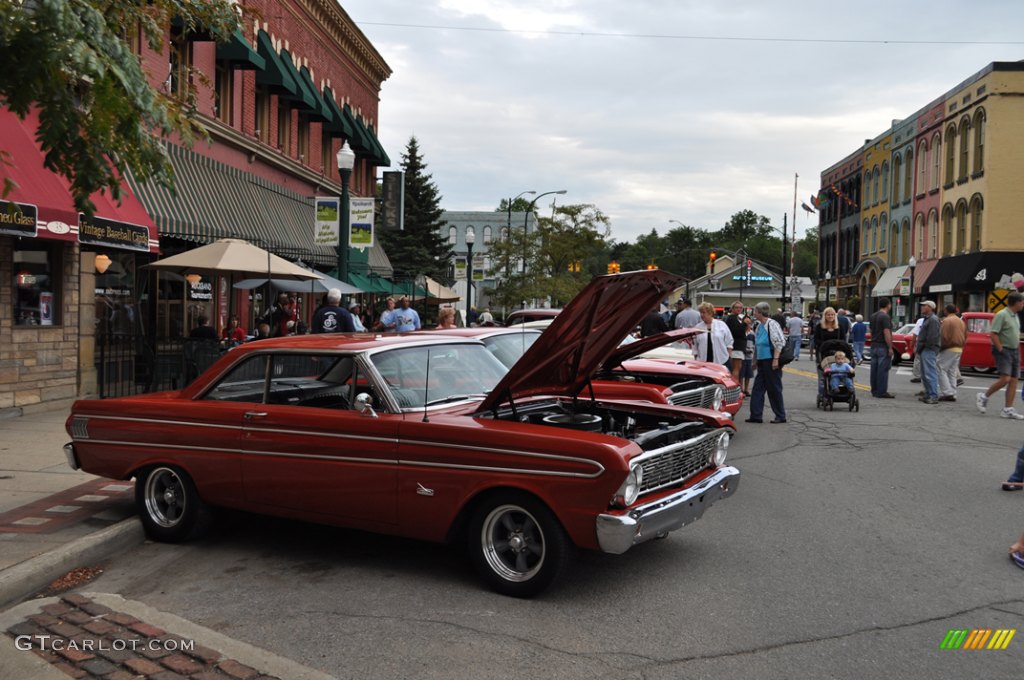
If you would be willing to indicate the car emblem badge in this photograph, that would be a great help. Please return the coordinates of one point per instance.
(423, 491)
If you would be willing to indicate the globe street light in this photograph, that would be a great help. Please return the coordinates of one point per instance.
(912, 263)
(346, 161)
(828, 283)
(470, 239)
(526, 218)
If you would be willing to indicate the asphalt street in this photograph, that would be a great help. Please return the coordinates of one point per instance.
(855, 542)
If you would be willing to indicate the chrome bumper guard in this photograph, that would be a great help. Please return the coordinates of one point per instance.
(618, 533)
(69, 453)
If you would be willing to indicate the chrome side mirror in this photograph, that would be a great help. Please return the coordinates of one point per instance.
(364, 403)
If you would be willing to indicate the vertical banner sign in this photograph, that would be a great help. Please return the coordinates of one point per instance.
(360, 233)
(479, 265)
(460, 268)
(325, 231)
(393, 199)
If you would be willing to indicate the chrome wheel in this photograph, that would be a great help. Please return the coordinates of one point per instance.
(165, 497)
(513, 543)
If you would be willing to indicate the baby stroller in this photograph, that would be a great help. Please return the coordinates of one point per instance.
(827, 397)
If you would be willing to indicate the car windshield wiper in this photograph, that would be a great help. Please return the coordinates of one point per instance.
(455, 397)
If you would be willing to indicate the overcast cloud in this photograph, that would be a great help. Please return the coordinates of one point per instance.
(649, 128)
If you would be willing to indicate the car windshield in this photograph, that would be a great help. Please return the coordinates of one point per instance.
(508, 347)
(438, 374)
(905, 329)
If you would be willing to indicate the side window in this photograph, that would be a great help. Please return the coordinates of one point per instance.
(977, 325)
(246, 382)
(311, 380)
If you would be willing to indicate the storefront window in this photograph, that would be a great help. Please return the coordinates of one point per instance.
(36, 285)
(116, 300)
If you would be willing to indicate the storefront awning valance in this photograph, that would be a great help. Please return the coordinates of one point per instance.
(275, 75)
(339, 125)
(973, 271)
(39, 204)
(303, 97)
(240, 53)
(359, 142)
(889, 281)
(382, 156)
(213, 200)
(322, 110)
(921, 273)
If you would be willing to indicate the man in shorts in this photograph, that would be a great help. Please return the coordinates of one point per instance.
(1005, 336)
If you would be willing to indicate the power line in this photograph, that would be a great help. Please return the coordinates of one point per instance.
(661, 36)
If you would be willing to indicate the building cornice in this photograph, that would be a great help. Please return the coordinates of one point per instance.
(346, 35)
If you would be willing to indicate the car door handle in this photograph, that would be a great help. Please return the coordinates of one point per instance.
(249, 415)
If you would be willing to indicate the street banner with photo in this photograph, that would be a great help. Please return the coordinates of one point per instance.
(460, 268)
(360, 233)
(325, 232)
(479, 267)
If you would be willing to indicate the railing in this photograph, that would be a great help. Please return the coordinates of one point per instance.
(129, 364)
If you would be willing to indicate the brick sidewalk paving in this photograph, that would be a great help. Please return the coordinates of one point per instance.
(85, 639)
(103, 500)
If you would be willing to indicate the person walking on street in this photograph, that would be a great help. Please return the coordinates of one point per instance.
(768, 344)
(795, 325)
(747, 373)
(1016, 480)
(953, 337)
(407, 319)
(739, 338)
(331, 318)
(652, 324)
(386, 322)
(913, 346)
(881, 350)
(687, 317)
(1005, 336)
(858, 338)
(928, 344)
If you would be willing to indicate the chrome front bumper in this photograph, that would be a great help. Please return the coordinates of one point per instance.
(618, 533)
(69, 453)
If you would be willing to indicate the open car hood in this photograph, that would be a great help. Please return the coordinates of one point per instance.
(633, 349)
(583, 336)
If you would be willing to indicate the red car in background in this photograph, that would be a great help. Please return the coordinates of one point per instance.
(978, 350)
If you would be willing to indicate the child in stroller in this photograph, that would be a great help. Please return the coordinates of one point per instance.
(835, 376)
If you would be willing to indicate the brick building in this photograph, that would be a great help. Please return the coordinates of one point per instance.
(279, 100)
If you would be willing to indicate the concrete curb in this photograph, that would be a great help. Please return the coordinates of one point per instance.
(29, 576)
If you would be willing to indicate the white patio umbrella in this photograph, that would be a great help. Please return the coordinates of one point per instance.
(235, 255)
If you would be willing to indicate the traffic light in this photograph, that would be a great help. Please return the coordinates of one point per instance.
(574, 267)
(711, 260)
(652, 266)
(614, 267)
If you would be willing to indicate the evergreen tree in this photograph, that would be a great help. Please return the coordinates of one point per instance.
(420, 248)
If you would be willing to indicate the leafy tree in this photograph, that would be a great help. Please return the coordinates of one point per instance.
(419, 248)
(806, 258)
(98, 113)
(520, 205)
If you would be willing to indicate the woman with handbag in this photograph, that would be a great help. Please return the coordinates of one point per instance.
(768, 344)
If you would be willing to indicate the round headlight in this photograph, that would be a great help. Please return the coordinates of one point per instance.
(716, 402)
(630, 488)
(721, 449)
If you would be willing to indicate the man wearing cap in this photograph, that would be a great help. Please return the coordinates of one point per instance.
(1005, 336)
(331, 318)
(929, 341)
(357, 323)
(687, 316)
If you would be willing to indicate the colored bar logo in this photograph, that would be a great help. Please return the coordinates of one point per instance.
(978, 638)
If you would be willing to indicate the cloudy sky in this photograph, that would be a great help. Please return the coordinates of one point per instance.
(658, 110)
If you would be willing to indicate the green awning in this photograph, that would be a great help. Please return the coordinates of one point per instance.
(240, 53)
(274, 75)
(339, 126)
(359, 141)
(407, 288)
(213, 200)
(382, 157)
(303, 96)
(322, 109)
(371, 284)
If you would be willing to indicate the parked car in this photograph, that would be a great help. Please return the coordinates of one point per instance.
(425, 436)
(527, 315)
(903, 342)
(978, 350)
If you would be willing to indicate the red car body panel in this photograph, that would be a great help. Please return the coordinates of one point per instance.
(978, 350)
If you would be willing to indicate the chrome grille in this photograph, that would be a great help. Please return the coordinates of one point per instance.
(732, 394)
(677, 463)
(80, 428)
(702, 397)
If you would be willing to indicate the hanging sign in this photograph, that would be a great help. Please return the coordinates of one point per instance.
(325, 229)
(360, 233)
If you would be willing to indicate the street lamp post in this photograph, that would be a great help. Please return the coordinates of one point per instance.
(510, 202)
(346, 161)
(470, 240)
(912, 263)
(526, 218)
(828, 283)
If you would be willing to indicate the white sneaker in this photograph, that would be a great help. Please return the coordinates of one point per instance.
(982, 402)
(1011, 413)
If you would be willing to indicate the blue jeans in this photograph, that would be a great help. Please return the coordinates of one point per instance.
(858, 350)
(770, 381)
(881, 362)
(930, 373)
(1018, 472)
(795, 342)
(838, 379)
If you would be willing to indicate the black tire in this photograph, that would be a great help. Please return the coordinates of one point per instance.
(853, 403)
(169, 505)
(517, 544)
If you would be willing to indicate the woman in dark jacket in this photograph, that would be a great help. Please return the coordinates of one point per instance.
(828, 329)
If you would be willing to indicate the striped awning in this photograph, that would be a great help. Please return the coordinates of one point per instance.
(212, 200)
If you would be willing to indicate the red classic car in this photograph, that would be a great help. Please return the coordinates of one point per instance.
(428, 437)
(978, 350)
(691, 383)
